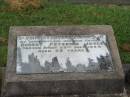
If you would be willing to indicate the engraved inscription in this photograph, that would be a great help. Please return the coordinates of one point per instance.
(51, 54)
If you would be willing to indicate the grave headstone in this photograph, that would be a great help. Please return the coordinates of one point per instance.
(62, 60)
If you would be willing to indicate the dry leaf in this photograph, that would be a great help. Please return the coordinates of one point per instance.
(125, 47)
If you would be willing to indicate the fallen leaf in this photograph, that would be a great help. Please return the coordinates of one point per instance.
(125, 47)
(3, 40)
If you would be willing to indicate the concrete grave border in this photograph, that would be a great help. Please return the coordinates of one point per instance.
(62, 83)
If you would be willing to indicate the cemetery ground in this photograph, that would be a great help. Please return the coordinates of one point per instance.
(68, 14)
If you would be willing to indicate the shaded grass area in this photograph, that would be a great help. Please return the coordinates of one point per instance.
(69, 14)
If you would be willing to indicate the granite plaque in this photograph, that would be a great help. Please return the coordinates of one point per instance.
(50, 54)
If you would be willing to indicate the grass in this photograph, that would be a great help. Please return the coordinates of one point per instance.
(68, 14)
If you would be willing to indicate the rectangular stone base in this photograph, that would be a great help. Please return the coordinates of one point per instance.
(105, 95)
(124, 94)
(103, 82)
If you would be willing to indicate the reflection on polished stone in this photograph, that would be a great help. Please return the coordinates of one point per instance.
(51, 54)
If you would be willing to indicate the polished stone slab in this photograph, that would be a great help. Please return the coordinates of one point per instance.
(54, 54)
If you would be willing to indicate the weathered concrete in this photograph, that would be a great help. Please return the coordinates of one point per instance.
(127, 72)
(62, 83)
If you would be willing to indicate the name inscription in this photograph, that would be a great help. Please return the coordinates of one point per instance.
(50, 54)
